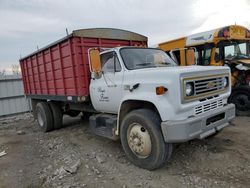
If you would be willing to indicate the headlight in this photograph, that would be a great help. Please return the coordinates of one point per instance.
(225, 81)
(189, 89)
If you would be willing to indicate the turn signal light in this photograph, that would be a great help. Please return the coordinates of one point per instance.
(160, 90)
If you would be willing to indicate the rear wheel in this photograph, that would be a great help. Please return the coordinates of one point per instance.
(142, 139)
(57, 115)
(241, 98)
(44, 116)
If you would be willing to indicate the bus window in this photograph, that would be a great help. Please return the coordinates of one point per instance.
(242, 49)
(217, 55)
(235, 51)
(229, 51)
(203, 56)
(206, 56)
(196, 55)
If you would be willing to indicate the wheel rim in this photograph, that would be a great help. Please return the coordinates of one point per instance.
(139, 140)
(40, 119)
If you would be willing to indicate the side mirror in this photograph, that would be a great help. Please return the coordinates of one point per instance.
(190, 57)
(95, 61)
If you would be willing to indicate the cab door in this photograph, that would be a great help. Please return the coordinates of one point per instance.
(106, 91)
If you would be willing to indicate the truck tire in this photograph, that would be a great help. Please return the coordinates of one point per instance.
(73, 113)
(142, 139)
(44, 116)
(57, 115)
(241, 98)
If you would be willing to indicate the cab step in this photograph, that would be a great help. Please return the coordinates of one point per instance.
(104, 125)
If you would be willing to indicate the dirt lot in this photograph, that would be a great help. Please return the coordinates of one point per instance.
(74, 157)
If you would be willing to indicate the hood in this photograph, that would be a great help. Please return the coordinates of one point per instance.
(244, 61)
(186, 69)
(241, 61)
(172, 74)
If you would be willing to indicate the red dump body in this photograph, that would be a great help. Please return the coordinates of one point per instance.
(60, 71)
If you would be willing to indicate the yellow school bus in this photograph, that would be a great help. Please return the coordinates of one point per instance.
(225, 46)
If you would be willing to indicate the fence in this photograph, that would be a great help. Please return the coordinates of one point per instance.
(12, 99)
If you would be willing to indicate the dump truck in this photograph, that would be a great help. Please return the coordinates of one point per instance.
(129, 92)
(225, 46)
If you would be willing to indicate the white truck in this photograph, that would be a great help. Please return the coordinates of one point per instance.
(156, 103)
(140, 96)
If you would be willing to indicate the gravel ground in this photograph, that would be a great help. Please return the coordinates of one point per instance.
(74, 157)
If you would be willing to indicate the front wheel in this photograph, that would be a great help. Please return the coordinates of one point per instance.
(143, 141)
(241, 98)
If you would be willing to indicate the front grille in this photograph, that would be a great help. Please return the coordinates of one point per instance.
(208, 107)
(208, 85)
(205, 86)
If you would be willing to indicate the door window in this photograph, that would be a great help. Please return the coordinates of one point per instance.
(110, 62)
(206, 56)
(203, 54)
(217, 55)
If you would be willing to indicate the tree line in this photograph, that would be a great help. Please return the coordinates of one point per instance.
(15, 70)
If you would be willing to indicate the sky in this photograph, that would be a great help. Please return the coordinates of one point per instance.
(26, 24)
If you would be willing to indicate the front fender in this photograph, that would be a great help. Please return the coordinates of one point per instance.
(160, 102)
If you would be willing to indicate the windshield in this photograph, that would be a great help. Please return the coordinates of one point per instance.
(236, 51)
(139, 58)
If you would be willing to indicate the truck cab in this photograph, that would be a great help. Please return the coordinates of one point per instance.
(153, 103)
